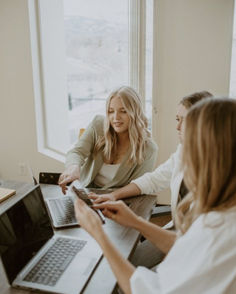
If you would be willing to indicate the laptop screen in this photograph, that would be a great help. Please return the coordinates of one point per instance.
(24, 229)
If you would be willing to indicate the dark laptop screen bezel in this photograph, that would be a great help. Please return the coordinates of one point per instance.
(25, 227)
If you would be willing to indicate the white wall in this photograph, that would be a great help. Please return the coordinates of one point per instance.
(194, 40)
(193, 53)
(18, 143)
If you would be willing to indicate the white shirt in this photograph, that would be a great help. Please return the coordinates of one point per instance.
(203, 260)
(106, 174)
(167, 175)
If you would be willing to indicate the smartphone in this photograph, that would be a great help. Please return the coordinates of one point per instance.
(81, 193)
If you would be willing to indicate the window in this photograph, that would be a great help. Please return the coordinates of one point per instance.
(82, 50)
(97, 58)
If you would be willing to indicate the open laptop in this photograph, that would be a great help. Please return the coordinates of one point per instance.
(61, 209)
(34, 257)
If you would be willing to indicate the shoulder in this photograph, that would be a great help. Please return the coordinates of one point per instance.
(175, 158)
(151, 145)
(217, 226)
(179, 149)
(98, 120)
(178, 152)
(98, 123)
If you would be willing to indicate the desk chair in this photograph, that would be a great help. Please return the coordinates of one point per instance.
(81, 131)
(161, 215)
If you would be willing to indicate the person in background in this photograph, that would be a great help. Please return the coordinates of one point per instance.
(202, 253)
(115, 149)
(167, 175)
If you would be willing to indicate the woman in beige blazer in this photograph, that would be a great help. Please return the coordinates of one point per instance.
(113, 150)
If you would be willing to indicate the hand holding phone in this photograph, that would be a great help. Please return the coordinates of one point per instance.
(81, 193)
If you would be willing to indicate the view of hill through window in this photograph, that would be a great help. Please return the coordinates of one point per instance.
(96, 35)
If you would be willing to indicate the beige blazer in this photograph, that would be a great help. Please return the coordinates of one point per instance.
(82, 155)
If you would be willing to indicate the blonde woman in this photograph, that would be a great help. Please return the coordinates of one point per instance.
(202, 255)
(113, 150)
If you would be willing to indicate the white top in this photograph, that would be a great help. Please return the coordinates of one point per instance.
(166, 175)
(203, 260)
(106, 174)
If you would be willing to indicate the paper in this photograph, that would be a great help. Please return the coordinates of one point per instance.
(6, 193)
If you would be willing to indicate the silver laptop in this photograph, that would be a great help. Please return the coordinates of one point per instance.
(34, 257)
(61, 209)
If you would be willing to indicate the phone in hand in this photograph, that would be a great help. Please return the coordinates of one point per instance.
(81, 193)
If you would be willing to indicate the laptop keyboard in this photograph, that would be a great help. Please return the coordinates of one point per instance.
(55, 261)
(63, 211)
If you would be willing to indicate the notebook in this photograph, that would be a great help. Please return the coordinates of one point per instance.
(61, 209)
(28, 246)
(6, 193)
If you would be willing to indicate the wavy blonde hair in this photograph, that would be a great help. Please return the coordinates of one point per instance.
(138, 123)
(209, 160)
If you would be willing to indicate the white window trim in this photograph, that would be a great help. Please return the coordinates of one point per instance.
(154, 74)
(137, 26)
(39, 86)
(137, 29)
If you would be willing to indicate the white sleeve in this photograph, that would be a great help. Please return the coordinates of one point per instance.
(145, 281)
(201, 261)
(159, 179)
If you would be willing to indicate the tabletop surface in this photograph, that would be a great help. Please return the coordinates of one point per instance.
(126, 239)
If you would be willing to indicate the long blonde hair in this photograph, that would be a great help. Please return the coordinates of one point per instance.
(138, 131)
(209, 160)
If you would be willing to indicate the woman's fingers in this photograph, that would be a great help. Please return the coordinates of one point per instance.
(64, 189)
(92, 195)
(109, 213)
(112, 205)
(100, 200)
(64, 180)
(97, 198)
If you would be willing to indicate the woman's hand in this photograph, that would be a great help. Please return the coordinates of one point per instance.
(102, 197)
(88, 219)
(119, 212)
(69, 175)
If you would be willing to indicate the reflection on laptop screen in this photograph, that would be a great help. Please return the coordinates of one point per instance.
(24, 229)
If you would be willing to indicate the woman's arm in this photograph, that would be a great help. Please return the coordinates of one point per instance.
(126, 191)
(121, 213)
(161, 238)
(121, 267)
(160, 178)
(76, 157)
(69, 175)
(85, 145)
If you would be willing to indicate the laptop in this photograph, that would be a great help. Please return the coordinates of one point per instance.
(33, 257)
(61, 209)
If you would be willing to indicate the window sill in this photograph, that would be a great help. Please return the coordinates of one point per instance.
(53, 154)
